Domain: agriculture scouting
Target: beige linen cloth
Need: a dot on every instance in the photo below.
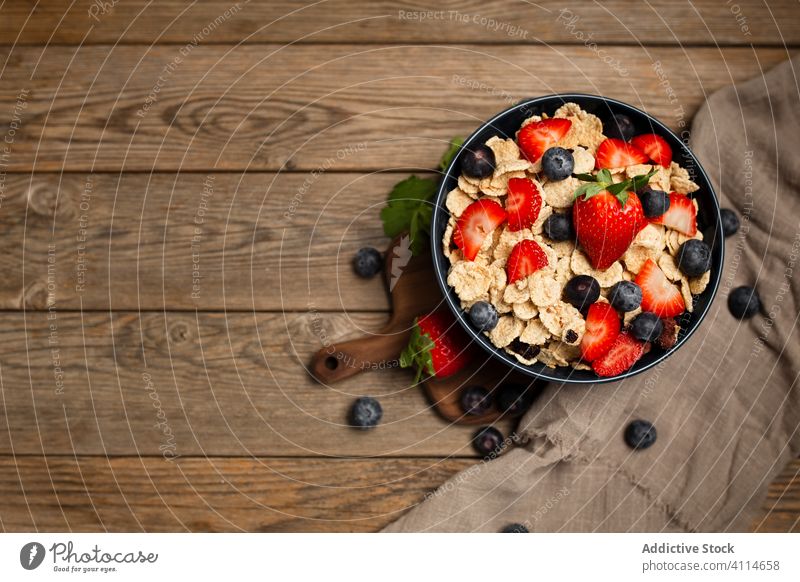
(726, 405)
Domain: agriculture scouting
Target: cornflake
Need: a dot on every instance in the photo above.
(506, 331)
(469, 279)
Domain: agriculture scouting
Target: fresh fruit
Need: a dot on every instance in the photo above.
(581, 291)
(527, 351)
(368, 262)
(625, 296)
(602, 329)
(477, 222)
(730, 222)
(605, 228)
(514, 399)
(523, 203)
(478, 162)
(438, 346)
(743, 302)
(669, 334)
(526, 258)
(615, 153)
(536, 137)
(475, 400)
(619, 126)
(694, 258)
(681, 216)
(654, 202)
(483, 315)
(488, 441)
(515, 528)
(646, 327)
(365, 413)
(558, 227)
(557, 163)
(623, 354)
(655, 146)
(640, 434)
(659, 295)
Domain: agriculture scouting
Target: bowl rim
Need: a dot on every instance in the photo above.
(439, 211)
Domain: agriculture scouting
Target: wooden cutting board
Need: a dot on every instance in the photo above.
(413, 291)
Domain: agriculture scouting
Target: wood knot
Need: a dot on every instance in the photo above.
(180, 332)
(34, 296)
(43, 199)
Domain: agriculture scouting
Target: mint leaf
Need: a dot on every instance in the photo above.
(452, 150)
(409, 210)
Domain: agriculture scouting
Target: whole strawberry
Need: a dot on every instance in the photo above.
(438, 346)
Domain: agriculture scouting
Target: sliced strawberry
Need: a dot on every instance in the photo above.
(655, 146)
(536, 137)
(526, 258)
(624, 353)
(681, 216)
(615, 153)
(477, 221)
(438, 346)
(602, 328)
(659, 295)
(523, 203)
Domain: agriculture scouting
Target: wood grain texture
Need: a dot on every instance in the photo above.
(782, 508)
(612, 21)
(213, 494)
(338, 107)
(201, 384)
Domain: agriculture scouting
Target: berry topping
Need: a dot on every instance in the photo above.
(694, 258)
(557, 164)
(659, 295)
(624, 353)
(365, 413)
(488, 441)
(744, 303)
(619, 126)
(730, 222)
(654, 202)
(515, 528)
(523, 203)
(581, 291)
(656, 148)
(526, 258)
(527, 351)
(475, 400)
(615, 153)
(477, 222)
(483, 315)
(669, 334)
(640, 434)
(625, 296)
(514, 399)
(558, 227)
(368, 262)
(478, 162)
(536, 137)
(602, 329)
(647, 327)
(681, 216)
(438, 346)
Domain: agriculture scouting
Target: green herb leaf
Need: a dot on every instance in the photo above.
(604, 176)
(586, 177)
(588, 190)
(418, 353)
(455, 145)
(639, 182)
(623, 197)
(618, 187)
(409, 210)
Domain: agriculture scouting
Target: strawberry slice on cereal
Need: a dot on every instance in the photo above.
(477, 222)
(537, 137)
(681, 216)
(615, 153)
(602, 329)
(655, 146)
(659, 295)
(523, 203)
(526, 258)
(624, 353)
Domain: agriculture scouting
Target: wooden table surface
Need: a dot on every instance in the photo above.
(183, 187)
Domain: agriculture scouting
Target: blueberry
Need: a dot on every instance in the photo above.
(527, 351)
(557, 164)
(478, 162)
(365, 413)
(640, 434)
(625, 296)
(619, 126)
(483, 315)
(744, 303)
(368, 262)
(730, 222)
(514, 528)
(654, 202)
(475, 400)
(581, 291)
(558, 227)
(694, 258)
(647, 327)
(488, 441)
(514, 399)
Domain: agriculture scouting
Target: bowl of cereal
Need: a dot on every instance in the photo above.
(577, 239)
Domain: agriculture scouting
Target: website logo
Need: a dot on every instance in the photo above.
(31, 555)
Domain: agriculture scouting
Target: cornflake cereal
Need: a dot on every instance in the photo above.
(532, 310)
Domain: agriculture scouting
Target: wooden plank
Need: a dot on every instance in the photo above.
(782, 508)
(200, 384)
(498, 21)
(213, 494)
(340, 107)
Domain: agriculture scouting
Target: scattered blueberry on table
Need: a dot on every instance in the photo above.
(478, 162)
(368, 262)
(619, 126)
(647, 327)
(581, 291)
(475, 400)
(640, 434)
(557, 163)
(488, 441)
(743, 302)
(483, 316)
(514, 399)
(514, 528)
(625, 296)
(694, 258)
(730, 222)
(365, 413)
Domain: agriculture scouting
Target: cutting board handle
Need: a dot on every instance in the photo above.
(345, 359)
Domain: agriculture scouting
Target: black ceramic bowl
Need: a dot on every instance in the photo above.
(506, 125)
